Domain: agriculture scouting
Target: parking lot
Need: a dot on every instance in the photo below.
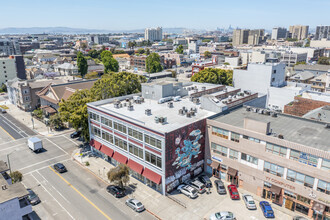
(206, 204)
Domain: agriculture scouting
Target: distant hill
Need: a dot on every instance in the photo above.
(68, 30)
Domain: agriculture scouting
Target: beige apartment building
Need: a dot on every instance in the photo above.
(299, 32)
(284, 159)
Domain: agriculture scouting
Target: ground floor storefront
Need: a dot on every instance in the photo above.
(137, 171)
(308, 206)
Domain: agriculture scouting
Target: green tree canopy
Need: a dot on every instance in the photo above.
(55, 121)
(92, 75)
(110, 63)
(207, 54)
(74, 109)
(148, 51)
(119, 175)
(82, 64)
(215, 76)
(179, 49)
(141, 51)
(153, 64)
(16, 176)
(324, 60)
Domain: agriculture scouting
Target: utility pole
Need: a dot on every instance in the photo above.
(9, 161)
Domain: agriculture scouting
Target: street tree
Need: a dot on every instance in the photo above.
(110, 63)
(16, 176)
(82, 64)
(207, 54)
(215, 76)
(55, 121)
(179, 49)
(119, 175)
(141, 51)
(153, 64)
(147, 51)
(324, 60)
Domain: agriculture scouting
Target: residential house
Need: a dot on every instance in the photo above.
(319, 83)
(302, 77)
(67, 69)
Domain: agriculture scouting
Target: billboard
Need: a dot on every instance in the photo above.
(185, 150)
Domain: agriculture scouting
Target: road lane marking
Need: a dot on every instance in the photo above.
(41, 162)
(56, 145)
(52, 196)
(71, 140)
(44, 167)
(13, 146)
(7, 133)
(16, 130)
(69, 184)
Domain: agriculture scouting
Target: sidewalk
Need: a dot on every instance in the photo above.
(25, 118)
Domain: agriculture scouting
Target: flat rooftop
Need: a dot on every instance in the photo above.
(16, 190)
(298, 130)
(138, 116)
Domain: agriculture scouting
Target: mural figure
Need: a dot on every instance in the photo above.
(189, 150)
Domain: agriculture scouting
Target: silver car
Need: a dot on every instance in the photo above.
(249, 202)
(196, 184)
(188, 191)
(221, 189)
(135, 204)
(222, 216)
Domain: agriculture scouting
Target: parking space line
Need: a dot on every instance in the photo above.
(97, 208)
(42, 162)
(52, 196)
(56, 145)
(7, 133)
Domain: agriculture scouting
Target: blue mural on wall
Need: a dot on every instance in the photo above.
(189, 150)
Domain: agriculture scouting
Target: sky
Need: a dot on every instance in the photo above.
(137, 14)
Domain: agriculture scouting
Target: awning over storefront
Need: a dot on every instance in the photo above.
(275, 189)
(106, 150)
(135, 166)
(215, 165)
(97, 145)
(120, 158)
(151, 175)
(232, 171)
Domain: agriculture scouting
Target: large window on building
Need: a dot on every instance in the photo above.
(300, 178)
(273, 169)
(276, 149)
(119, 127)
(323, 186)
(251, 139)
(96, 131)
(107, 136)
(135, 150)
(219, 149)
(153, 159)
(120, 143)
(152, 141)
(233, 154)
(304, 158)
(234, 137)
(94, 116)
(249, 158)
(106, 121)
(325, 164)
(136, 134)
(220, 132)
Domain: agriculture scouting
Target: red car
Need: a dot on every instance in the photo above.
(233, 192)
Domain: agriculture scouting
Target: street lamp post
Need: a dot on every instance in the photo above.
(9, 161)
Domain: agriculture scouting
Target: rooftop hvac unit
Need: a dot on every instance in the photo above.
(125, 104)
(327, 125)
(142, 99)
(156, 119)
(188, 114)
(170, 104)
(280, 136)
(147, 111)
(192, 113)
(203, 88)
(183, 108)
(274, 114)
(181, 112)
(261, 111)
(127, 99)
(196, 100)
(248, 109)
(130, 107)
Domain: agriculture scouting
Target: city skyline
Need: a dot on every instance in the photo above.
(98, 15)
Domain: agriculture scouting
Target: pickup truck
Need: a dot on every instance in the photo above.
(35, 144)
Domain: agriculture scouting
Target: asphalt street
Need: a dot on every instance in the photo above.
(9, 126)
(76, 194)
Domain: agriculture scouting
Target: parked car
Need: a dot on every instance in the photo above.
(249, 201)
(206, 180)
(60, 167)
(222, 216)
(116, 191)
(196, 184)
(266, 209)
(75, 134)
(33, 198)
(3, 110)
(299, 218)
(135, 204)
(220, 187)
(234, 195)
(188, 191)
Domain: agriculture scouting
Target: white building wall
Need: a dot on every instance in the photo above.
(7, 70)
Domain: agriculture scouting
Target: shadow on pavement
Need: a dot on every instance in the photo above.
(34, 216)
